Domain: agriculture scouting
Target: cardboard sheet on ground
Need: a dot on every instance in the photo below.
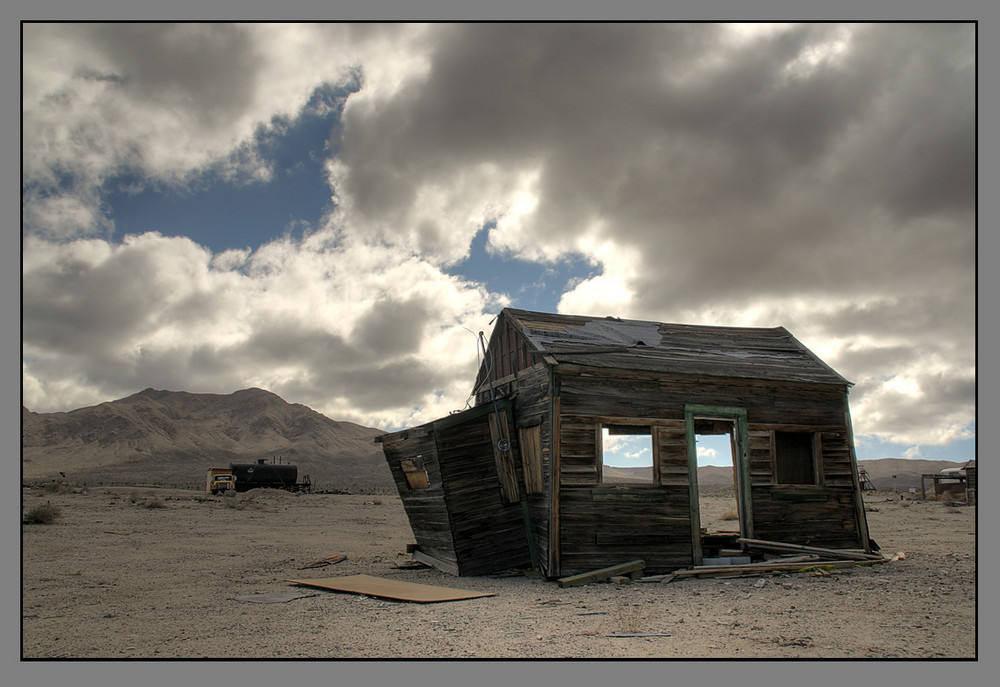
(391, 589)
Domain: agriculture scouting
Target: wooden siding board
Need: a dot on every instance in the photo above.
(695, 365)
(585, 401)
(807, 515)
(619, 394)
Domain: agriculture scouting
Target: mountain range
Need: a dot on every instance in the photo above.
(170, 438)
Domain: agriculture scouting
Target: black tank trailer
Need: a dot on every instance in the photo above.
(264, 475)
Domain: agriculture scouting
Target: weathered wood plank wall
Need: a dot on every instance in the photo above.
(461, 520)
(488, 533)
(425, 508)
(601, 524)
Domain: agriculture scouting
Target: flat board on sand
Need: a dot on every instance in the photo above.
(391, 589)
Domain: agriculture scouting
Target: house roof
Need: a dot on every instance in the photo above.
(610, 342)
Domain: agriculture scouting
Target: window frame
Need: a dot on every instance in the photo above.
(415, 473)
(622, 426)
(815, 457)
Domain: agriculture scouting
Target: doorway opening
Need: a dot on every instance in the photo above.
(721, 509)
(718, 483)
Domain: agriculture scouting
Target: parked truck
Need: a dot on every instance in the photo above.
(220, 480)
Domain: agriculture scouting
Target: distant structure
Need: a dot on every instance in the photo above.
(952, 483)
(519, 477)
(865, 480)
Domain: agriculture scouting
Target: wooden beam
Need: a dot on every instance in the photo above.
(835, 553)
(500, 433)
(861, 518)
(602, 574)
(763, 568)
(555, 482)
(694, 506)
(448, 567)
(530, 534)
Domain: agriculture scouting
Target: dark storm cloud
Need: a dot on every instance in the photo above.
(762, 163)
(816, 176)
(396, 384)
(392, 327)
(88, 299)
(207, 70)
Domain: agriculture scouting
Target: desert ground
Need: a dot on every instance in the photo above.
(148, 573)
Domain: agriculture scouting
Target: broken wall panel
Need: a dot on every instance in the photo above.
(463, 522)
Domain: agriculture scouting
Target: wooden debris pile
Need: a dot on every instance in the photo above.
(623, 569)
(786, 558)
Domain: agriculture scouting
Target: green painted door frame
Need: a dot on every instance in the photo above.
(742, 457)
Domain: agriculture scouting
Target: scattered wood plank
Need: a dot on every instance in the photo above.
(805, 558)
(829, 553)
(272, 597)
(764, 568)
(602, 574)
(323, 562)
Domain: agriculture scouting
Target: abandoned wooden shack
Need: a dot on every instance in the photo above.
(519, 478)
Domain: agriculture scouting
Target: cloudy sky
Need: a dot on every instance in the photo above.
(332, 212)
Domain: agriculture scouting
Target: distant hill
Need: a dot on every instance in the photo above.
(907, 471)
(170, 438)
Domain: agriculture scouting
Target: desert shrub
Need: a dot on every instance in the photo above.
(628, 617)
(154, 503)
(241, 503)
(42, 514)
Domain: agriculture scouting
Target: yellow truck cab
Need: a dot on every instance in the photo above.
(220, 480)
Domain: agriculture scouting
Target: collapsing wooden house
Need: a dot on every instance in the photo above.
(519, 479)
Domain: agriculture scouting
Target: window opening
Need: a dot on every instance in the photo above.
(794, 458)
(416, 476)
(627, 454)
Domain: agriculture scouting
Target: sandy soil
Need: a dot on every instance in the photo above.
(155, 573)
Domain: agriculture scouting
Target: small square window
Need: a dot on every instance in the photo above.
(794, 461)
(416, 477)
(627, 454)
